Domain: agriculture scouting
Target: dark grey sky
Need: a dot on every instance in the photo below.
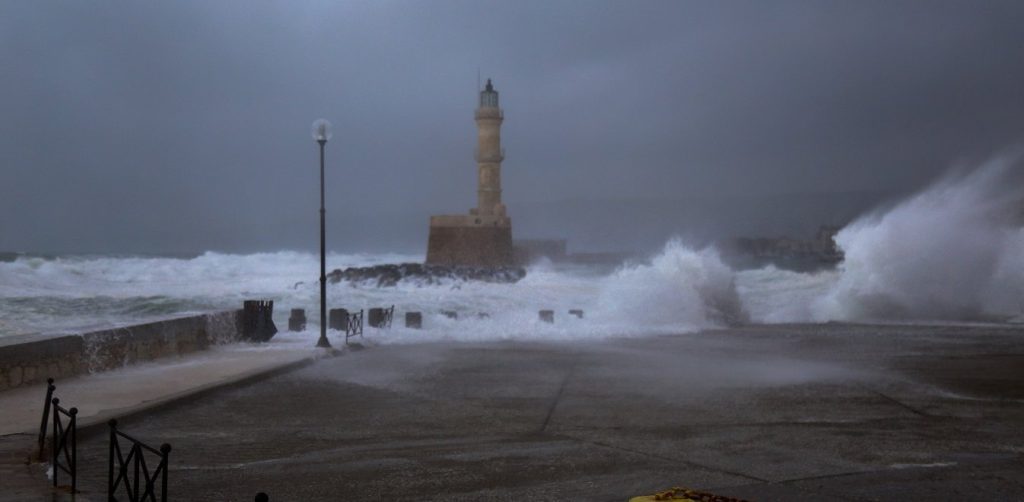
(184, 126)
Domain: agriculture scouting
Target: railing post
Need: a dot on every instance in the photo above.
(110, 464)
(74, 450)
(135, 454)
(46, 417)
(165, 449)
(53, 444)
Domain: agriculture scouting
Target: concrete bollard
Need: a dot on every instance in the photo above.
(576, 312)
(375, 317)
(338, 319)
(413, 320)
(451, 314)
(297, 322)
(547, 316)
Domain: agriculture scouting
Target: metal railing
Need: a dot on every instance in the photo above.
(355, 325)
(46, 418)
(142, 483)
(65, 444)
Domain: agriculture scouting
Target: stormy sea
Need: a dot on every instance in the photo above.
(953, 252)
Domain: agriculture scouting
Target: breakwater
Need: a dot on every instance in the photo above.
(33, 362)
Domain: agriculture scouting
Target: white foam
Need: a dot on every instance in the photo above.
(954, 251)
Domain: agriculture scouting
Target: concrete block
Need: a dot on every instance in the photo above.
(376, 317)
(297, 321)
(413, 320)
(576, 312)
(337, 319)
(547, 316)
(258, 320)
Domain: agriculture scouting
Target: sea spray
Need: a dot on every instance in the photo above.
(954, 251)
(681, 288)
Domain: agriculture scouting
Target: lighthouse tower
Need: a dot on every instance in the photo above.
(489, 154)
(482, 238)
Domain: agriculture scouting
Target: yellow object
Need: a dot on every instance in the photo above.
(679, 494)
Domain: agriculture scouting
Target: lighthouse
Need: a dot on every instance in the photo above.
(482, 238)
(489, 154)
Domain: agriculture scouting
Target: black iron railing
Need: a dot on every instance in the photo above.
(64, 451)
(133, 476)
(46, 418)
(355, 325)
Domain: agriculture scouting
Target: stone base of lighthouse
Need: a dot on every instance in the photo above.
(471, 240)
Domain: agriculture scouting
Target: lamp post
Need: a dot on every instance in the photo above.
(322, 133)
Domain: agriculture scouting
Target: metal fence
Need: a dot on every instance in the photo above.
(355, 325)
(64, 452)
(133, 476)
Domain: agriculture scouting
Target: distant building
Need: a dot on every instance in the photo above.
(482, 238)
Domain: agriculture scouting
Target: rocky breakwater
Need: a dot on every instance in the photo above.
(420, 274)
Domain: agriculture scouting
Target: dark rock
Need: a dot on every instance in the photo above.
(425, 275)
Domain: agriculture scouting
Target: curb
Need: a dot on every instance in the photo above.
(98, 423)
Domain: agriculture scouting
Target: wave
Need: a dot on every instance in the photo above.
(954, 251)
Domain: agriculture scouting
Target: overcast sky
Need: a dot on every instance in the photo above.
(184, 126)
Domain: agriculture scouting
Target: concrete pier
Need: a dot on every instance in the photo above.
(816, 412)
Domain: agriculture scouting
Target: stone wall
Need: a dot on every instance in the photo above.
(470, 246)
(65, 356)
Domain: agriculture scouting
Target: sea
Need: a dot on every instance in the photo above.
(953, 253)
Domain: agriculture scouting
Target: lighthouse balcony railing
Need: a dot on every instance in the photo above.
(490, 156)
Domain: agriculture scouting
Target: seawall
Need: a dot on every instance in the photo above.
(64, 356)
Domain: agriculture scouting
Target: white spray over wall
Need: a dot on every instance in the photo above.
(954, 251)
(680, 288)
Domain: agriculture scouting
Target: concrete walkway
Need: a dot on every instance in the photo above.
(816, 412)
(123, 393)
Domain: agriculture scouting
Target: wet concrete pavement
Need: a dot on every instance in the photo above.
(813, 412)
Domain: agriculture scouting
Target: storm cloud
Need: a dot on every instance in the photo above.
(184, 126)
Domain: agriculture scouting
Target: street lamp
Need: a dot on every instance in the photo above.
(322, 133)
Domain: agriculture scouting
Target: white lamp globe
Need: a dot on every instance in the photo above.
(321, 130)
